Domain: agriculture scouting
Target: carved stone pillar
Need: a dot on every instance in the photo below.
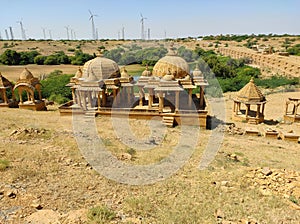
(161, 101)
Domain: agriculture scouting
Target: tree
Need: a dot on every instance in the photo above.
(127, 59)
(80, 58)
(62, 58)
(114, 54)
(54, 87)
(28, 57)
(40, 59)
(10, 57)
(51, 60)
(185, 53)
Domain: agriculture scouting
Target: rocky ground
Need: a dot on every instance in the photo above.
(45, 179)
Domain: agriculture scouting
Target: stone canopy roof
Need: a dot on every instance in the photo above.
(26, 75)
(250, 93)
(25, 78)
(4, 83)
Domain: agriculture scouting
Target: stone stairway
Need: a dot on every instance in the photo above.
(252, 121)
(168, 121)
(90, 113)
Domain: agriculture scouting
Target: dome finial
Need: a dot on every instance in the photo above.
(78, 73)
(100, 53)
(124, 73)
(147, 72)
(197, 72)
(172, 49)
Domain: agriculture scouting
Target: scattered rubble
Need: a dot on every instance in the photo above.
(43, 217)
(22, 133)
(125, 156)
(36, 204)
(230, 129)
(285, 183)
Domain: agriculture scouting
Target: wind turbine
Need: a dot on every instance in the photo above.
(72, 34)
(11, 33)
(93, 24)
(6, 33)
(123, 33)
(142, 31)
(67, 28)
(148, 33)
(50, 34)
(22, 30)
(44, 32)
(96, 34)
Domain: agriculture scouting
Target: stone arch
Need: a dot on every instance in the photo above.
(29, 89)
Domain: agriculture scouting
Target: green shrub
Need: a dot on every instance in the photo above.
(294, 50)
(51, 60)
(10, 57)
(40, 59)
(5, 45)
(27, 57)
(100, 215)
(131, 151)
(58, 98)
(4, 164)
(80, 58)
(276, 81)
(54, 87)
(293, 199)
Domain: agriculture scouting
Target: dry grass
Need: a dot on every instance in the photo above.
(52, 169)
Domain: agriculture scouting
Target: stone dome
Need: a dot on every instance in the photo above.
(100, 68)
(26, 74)
(173, 63)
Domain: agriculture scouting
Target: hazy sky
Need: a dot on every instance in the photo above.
(178, 18)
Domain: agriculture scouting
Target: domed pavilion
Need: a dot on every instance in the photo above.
(29, 85)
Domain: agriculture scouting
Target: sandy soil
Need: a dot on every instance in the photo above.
(48, 173)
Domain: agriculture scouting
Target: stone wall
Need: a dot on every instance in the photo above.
(278, 64)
